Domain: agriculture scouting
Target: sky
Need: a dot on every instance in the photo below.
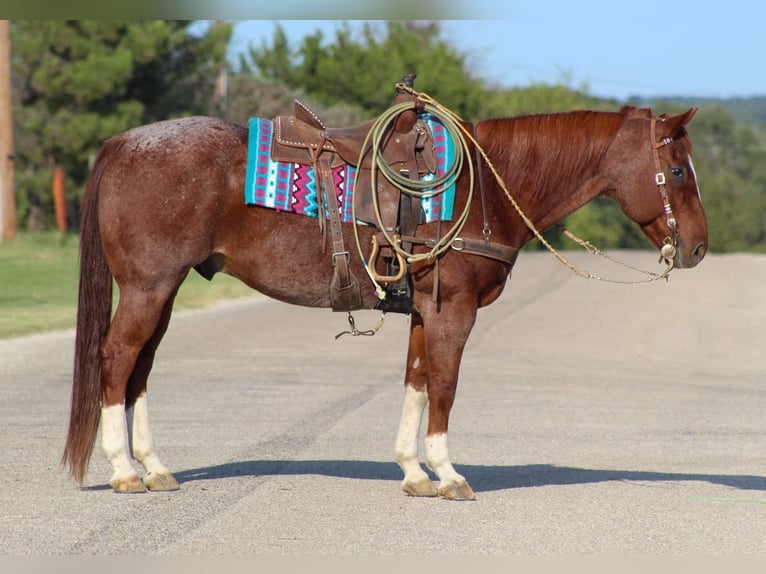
(611, 49)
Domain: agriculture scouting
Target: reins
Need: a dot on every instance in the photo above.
(453, 123)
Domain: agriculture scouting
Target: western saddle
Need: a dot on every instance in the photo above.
(407, 148)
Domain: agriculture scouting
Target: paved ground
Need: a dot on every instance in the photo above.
(590, 419)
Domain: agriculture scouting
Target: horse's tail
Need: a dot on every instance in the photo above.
(94, 310)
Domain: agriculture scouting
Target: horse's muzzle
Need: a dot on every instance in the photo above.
(687, 259)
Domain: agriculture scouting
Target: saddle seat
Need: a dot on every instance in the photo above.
(295, 135)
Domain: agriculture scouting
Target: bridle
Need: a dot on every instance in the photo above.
(668, 250)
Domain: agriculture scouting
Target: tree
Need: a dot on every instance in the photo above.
(541, 99)
(79, 82)
(730, 162)
(363, 70)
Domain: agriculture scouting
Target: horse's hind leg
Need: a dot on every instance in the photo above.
(135, 322)
(157, 477)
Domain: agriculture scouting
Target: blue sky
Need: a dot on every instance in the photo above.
(615, 49)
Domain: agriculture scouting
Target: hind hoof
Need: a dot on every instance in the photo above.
(422, 487)
(128, 485)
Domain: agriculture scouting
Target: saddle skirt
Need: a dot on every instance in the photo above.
(281, 176)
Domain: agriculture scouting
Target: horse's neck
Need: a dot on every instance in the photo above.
(547, 175)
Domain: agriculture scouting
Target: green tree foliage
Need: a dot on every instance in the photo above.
(79, 82)
(540, 99)
(251, 97)
(363, 70)
(730, 160)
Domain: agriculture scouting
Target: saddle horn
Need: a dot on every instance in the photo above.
(407, 118)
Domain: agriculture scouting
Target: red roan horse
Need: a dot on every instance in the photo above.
(165, 198)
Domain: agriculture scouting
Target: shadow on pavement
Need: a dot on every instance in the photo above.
(482, 478)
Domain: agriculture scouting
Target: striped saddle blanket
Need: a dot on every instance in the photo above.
(292, 187)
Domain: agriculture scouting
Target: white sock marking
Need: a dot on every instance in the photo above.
(407, 438)
(437, 459)
(113, 440)
(141, 441)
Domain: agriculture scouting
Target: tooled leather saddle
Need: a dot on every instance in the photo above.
(407, 148)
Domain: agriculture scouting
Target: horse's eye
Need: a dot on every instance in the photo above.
(676, 171)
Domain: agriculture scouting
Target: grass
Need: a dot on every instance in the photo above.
(39, 276)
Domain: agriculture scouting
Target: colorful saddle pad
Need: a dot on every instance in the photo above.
(292, 187)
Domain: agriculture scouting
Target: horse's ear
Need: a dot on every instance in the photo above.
(687, 116)
(671, 125)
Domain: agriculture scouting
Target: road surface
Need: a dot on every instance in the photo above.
(591, 419)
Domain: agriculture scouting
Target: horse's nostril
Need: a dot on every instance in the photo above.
(699, 253)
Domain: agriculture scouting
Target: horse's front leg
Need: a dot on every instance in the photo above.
(446, 334)
(436, 348)
(416, 482)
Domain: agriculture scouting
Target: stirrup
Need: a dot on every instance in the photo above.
(373, 258)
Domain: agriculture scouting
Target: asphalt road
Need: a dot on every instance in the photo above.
(591, 419)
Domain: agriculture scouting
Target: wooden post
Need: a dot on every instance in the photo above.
(221, 96)
(7, 188)
(59, 198)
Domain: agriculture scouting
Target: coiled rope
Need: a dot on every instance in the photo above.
(415, 188)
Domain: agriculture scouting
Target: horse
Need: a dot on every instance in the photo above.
(164, 199)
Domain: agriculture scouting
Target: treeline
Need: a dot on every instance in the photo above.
(77, 83)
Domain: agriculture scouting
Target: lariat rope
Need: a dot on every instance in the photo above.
(416, 188)
(454, 125)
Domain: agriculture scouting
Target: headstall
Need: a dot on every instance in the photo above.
(668, 250)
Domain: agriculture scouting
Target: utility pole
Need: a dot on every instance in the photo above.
(221, 84)
(7, 188)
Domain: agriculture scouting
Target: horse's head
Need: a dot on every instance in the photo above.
(658, 186)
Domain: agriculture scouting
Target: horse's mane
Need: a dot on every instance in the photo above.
(550, 145)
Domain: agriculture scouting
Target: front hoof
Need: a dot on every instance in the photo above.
(128, 485)
(161, 482)
(454, 491)
(423, 487)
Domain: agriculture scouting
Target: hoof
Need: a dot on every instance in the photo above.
(128, 485)
(460, 491)
(422, 487)
(161, 482)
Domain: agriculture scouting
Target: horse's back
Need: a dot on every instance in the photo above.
(174, 134)
(173, 158)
